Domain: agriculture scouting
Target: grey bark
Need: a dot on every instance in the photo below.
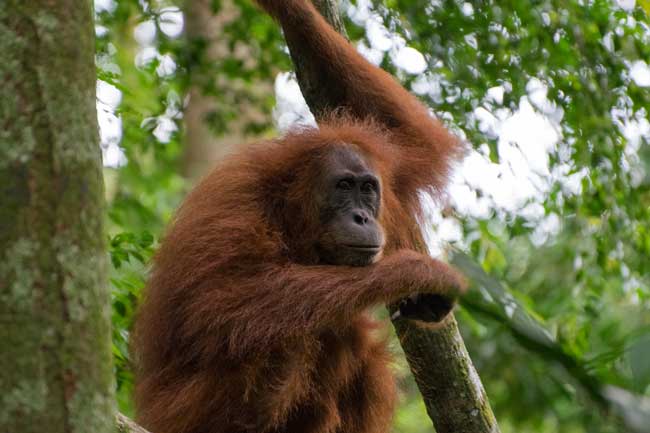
(55, 367)
(452, 390)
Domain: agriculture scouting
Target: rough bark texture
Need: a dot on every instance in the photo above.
(55, 367)
(451, 388)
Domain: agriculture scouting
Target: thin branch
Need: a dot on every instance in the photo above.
(126, 425)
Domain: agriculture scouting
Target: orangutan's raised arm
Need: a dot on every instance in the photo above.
(347, 80)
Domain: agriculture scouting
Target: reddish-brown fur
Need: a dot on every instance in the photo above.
(242, 328)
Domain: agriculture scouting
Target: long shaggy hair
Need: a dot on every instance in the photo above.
(242, 328)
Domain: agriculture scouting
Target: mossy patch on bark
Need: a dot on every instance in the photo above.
(54, 310)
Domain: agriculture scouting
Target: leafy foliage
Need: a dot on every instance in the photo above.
(249, 55)
(589, 281)
(129, 253)
(142, 193)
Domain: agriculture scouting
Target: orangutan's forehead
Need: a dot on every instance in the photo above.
(348, 156)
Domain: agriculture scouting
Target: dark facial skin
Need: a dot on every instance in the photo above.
(350, 200)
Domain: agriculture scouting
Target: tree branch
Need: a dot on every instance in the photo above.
(452, 390)
(126, 425)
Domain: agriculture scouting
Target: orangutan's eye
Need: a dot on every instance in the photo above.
(368, 187)
(345, 185)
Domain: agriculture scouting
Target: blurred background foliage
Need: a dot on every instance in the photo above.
(561, 301)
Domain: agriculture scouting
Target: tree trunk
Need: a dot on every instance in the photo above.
(55, 371)
(451, 388)
(203, 146)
